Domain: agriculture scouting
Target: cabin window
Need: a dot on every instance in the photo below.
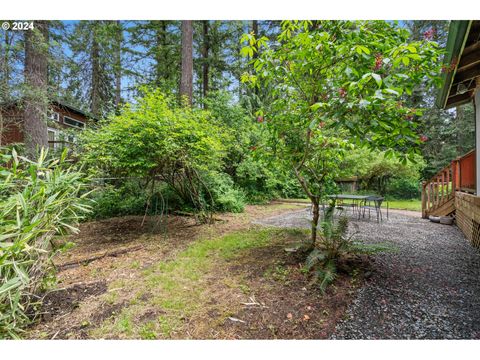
(72, 122)
(52, 138)
(55, 116)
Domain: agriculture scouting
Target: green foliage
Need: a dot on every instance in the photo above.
(255, 171)
(449, 134)
(338, 80)
(350, 75)
(38, 201)
(153, 137)
(224, 195)
(404, 188)
(377, 170)
(155, 140)
(263, 179)
(127, 199)
(95, 47)
(334, 245)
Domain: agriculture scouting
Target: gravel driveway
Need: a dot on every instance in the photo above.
(428, 289)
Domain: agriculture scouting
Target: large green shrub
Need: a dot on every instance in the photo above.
(253, 170)
(222, 194)
(404, 188)
(39, 201)
(125, 199)
(158, 141)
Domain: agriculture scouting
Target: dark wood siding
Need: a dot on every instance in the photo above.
(12, 119)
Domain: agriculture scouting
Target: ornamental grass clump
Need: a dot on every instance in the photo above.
(39, 202)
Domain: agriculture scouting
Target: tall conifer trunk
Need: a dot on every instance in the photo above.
(205, 51)
(186, 81)
(36, 80)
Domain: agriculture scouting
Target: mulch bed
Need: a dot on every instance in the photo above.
(289, 307)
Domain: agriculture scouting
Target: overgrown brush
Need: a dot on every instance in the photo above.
(39, 201)
(333, 245)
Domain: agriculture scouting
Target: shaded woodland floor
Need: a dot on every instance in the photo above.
(173, 279)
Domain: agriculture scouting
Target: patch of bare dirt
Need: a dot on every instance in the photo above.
(63, 301)
(283, 304)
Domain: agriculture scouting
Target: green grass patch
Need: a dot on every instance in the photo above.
(181, 287)
(413, 205)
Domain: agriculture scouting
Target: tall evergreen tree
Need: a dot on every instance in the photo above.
(36, 81)
(118, 64)
(186, 81)
(93, 65)
(154, 49)
(205, 58)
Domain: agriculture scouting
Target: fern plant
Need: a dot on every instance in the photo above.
(333, 245)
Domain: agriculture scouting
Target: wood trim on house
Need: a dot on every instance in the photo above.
(12, 121)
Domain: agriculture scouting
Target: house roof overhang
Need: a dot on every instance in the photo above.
(74, 109)
(57, 102)
(462, 64)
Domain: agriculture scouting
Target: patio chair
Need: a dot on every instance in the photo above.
(377, 201)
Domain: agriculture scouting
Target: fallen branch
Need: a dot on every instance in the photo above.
(189, 214)
(254, 302)
(87, 261)
(236, 320)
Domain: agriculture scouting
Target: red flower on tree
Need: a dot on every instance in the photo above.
(260, 119)
(378, 62)
(342, 92)
(423, 138)
(429, 34)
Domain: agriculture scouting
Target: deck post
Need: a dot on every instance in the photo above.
(476, 104)
(424, 200)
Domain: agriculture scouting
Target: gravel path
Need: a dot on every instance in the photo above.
(428, 289)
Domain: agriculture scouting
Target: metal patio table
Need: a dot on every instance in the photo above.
(359, 204)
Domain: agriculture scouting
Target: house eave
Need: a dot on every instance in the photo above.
(458, 34)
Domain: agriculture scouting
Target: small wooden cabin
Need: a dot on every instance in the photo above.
(61, 118)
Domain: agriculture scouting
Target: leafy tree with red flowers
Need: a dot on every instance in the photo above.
(337, 84)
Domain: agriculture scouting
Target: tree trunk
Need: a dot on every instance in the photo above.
(36, 79)
(315, 199)
(95, 80)
(316, 216)
(186, 81)
(255, 27)
(5, 68)
(255, 56)
(118, 65)
(160, 52)
(205, 58)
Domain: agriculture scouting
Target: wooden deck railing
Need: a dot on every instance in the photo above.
(466, 172)
(439, 191)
